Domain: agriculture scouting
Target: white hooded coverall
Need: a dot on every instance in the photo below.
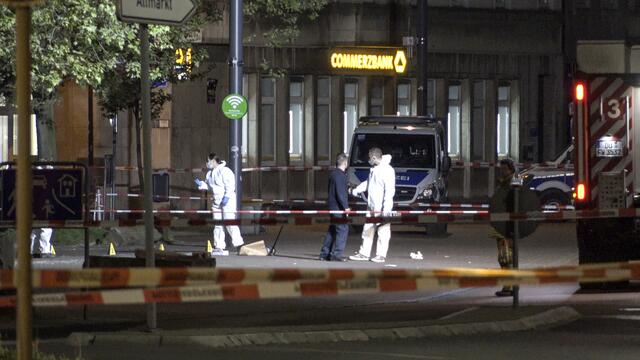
(41, 241)
(381, 187)
(221, 182)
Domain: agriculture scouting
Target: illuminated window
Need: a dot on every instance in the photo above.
(296, 118)
(478, 120)
(502, 123)
(34, 135)
(453, 119)
(268, 119)
(403, 98)
(4, 138)
(350, 113)
(323, 120)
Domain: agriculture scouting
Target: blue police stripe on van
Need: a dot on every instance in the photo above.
(567, 179)
(409, 177)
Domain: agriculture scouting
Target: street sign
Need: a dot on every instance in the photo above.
(57, 194)
(503, 201)
(165, 12)
(234, 106)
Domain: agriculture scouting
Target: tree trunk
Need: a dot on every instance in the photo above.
(46, 132)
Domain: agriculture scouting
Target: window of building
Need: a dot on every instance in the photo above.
(245, 123)
(403, 98)
(478, 120)
(431, 97)
(296, 118)
(503, 120)
(34, 135)
(4, 138)
(323, 120)
(268, 119)
(376, 97)
(544, 4)
(350, 113)
(453, 119)
(583, 4)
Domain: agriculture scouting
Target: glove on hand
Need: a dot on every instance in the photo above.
(224, 201)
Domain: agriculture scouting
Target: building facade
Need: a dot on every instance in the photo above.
(499, 74)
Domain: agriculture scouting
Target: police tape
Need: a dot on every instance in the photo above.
(319, 217)
(165, 277)
(283, 202)
(333, 287)
(286, 212)
(455, 165)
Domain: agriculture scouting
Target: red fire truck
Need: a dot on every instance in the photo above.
(606, 127)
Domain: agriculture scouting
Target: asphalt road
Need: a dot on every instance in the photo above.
(553, 244)
(608, 327)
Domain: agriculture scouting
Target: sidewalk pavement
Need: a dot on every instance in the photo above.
(466, 322)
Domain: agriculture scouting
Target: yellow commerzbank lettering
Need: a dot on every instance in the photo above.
(395, 62)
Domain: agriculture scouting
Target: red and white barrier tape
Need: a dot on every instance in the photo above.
(302, 201)
(312, 288)
(455, 165)
(161, 277)
(402, 218)
(289, 212)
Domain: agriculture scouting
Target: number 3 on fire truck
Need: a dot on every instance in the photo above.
(613, 109)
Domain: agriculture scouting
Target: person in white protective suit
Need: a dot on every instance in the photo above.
(380, 188)
(220, 180)
(41, 243)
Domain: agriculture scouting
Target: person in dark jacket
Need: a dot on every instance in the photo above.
(336, 238)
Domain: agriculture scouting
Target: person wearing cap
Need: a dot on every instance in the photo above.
(505, 245)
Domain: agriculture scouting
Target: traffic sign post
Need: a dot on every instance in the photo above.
(234, 106)
(162, 13)
(235, 88)
(156, 12)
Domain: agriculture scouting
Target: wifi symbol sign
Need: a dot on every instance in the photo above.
(234, 106)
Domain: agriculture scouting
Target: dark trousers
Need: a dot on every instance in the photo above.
(334, 241)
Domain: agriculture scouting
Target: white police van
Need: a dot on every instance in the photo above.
(418, 150)
(554, 182)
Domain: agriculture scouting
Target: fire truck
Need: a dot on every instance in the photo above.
(606, 128)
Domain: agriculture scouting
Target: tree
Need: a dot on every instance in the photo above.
(83, 41)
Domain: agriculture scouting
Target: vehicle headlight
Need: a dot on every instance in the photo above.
(428, 193)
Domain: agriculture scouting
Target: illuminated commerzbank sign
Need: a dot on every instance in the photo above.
(369, 60)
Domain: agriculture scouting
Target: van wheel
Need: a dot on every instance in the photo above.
(553, 197)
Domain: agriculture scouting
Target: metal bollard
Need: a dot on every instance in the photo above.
(517, 184)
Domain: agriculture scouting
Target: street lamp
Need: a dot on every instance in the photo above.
(113, 121)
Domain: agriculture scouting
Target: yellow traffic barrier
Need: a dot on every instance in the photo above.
(209, 247)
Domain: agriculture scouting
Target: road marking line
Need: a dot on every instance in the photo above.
(454, 314)
(326, 351)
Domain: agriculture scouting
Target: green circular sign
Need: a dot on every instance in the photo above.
(234, 106)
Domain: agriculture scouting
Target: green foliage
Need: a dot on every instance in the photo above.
(280, 18)
(83, 40)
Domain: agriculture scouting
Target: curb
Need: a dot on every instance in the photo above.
(546, 319)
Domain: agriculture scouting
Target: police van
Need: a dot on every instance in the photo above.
(553, 181)
(418, 150)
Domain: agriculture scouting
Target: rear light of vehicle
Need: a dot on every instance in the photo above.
(581, 192)
(579, 92)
